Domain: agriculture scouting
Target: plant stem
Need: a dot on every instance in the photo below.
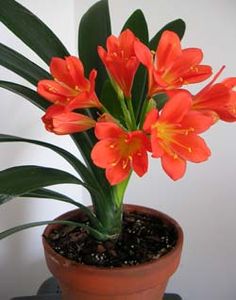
(131, 110)
(126, 113)
(143, 113)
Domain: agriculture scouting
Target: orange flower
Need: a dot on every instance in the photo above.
(174, 134)
(119, 151)
(120, 60)
(217, 100)
(69, 87)
(171, 67)
(61, 121)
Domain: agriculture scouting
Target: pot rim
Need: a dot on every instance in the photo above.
(162, 260)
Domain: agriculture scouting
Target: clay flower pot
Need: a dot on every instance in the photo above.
(142, 282)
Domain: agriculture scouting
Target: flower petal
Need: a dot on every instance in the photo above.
(54, 92)
(140, 162)
(76, 70)
(60, 71)
(143, 54)
(150, 120)
(176, 107)
(104, 130)
(157, 149)
(104, 155)
(175, 167)
(169, 49)
(191, 147)
(196, 122)
(118, 173)
(60, 121)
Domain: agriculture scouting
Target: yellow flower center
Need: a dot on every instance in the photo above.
(167, 133)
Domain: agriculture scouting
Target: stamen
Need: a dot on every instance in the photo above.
(195, 69)
(52, 89)
(124, 164)
(191, 129)
(175, 156)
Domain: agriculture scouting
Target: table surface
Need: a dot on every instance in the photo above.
(49, 290)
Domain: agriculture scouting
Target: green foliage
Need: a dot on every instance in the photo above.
(22, 66)
(70, 158)
(31, 30)
(94, 29)
(26, 93)
(178, 26)
(160, 100)
(19, 180)
(108, 98)
(93, 232)
(138, 25)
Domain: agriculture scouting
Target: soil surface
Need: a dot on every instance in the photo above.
(144, 238)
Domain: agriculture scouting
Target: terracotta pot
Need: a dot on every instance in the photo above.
(142, 282)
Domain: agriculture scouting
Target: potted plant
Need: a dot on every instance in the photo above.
(122, 99)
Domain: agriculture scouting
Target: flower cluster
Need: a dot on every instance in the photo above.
(170, 131)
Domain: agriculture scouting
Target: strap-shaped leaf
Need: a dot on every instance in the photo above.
(27, 93)
(22, 66)
(83, 140)
(20, 180)
(73, 160)
(94, 29)
(49, 194)
(160, 100)
(31, 30)
(93, 232)
(110, 100)
(138, 25)
(178, 26)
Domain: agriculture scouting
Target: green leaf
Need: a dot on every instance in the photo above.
(110, 100)
(178, 26)
(19, 64)
(20, 180)
(139, 91)
(27, 93)
(95, 233)
(31, 30)
(138, 25)
(83, 140)
(94, 29)
(49, 194)
(160, 100)
(70, 158)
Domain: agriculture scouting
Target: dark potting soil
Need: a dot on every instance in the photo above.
(144, 238)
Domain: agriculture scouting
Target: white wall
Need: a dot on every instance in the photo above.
(203, 202)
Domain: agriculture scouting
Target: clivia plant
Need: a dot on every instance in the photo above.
(123, 100)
